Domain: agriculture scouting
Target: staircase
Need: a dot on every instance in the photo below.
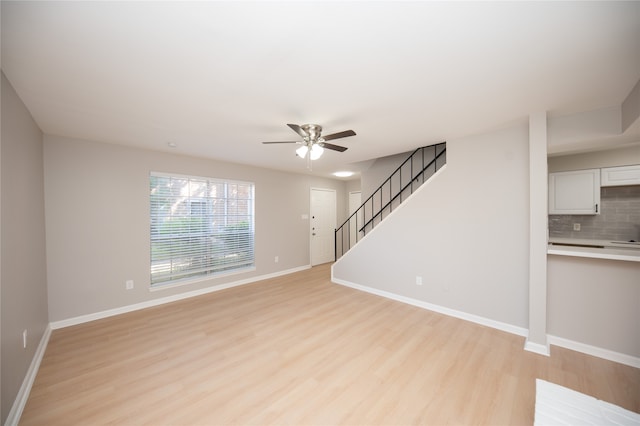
(414, 171)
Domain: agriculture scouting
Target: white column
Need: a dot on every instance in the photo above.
(538, 233)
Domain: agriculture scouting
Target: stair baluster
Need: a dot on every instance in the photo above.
(343, 242)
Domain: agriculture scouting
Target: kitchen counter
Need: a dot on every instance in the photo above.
(596, 249)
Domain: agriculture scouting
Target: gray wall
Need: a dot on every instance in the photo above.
(465, 232)
(595, 302)
(353, 185)
(97, 204)
(24, 284)
(379, 171)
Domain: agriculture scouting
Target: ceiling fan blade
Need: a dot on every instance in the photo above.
(283, 142)
(333, 147)
(339, 135)
(298, 130)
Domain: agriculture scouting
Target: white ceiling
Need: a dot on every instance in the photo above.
(217, 78)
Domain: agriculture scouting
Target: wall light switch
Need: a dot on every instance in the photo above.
(418, 280)
(129, 284)
(276, 259)
(576, 226)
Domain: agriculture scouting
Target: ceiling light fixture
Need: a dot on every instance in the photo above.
(314, 153)
(302, 151)
(343, 174)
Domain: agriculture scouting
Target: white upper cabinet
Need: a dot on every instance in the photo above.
(575, 192)
(619, 176)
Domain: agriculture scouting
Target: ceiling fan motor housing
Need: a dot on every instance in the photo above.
(313, 130)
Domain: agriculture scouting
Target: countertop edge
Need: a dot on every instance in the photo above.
(593, 253)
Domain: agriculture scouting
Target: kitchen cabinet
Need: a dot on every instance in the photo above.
(575, 192)
(620, 176)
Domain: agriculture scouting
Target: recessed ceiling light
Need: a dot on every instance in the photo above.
(172, 144)
(343, 174)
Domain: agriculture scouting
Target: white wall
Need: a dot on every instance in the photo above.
(465, 232)
(97, 218)
(576, 129)
(630, 109)
(537, 336)
(593, 160)
(595, 129)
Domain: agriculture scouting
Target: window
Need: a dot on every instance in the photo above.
(199, 227)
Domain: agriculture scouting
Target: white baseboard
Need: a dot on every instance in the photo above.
(23, 394)
(537, 348)
(629, 360)
(161, 301)
(520, 331)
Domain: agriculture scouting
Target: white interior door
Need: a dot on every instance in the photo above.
(323, 225)
(355, 200)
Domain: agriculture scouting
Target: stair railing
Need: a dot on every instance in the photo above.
(409, 176)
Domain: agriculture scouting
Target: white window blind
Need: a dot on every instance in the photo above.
(199, 226)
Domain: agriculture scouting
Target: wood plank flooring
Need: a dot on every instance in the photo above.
(301, 350)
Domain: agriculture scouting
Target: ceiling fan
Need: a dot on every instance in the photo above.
(313, 143)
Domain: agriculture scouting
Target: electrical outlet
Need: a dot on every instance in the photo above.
(276, 259)
(418, 280)
(576, 226)
(128, 284)
(24, 339)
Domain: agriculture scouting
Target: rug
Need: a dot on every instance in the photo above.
(557, 405)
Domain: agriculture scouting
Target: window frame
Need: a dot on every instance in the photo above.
(173, 246)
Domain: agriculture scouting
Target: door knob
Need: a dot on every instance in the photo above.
(313, 233)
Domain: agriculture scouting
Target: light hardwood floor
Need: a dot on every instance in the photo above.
(301, 350)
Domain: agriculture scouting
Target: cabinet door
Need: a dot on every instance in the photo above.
(623, 175)
(576, 192)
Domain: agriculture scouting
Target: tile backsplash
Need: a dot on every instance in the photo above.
(619, 218)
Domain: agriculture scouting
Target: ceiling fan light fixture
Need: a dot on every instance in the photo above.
(302, 151)
(316, 151)
(313, 143)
